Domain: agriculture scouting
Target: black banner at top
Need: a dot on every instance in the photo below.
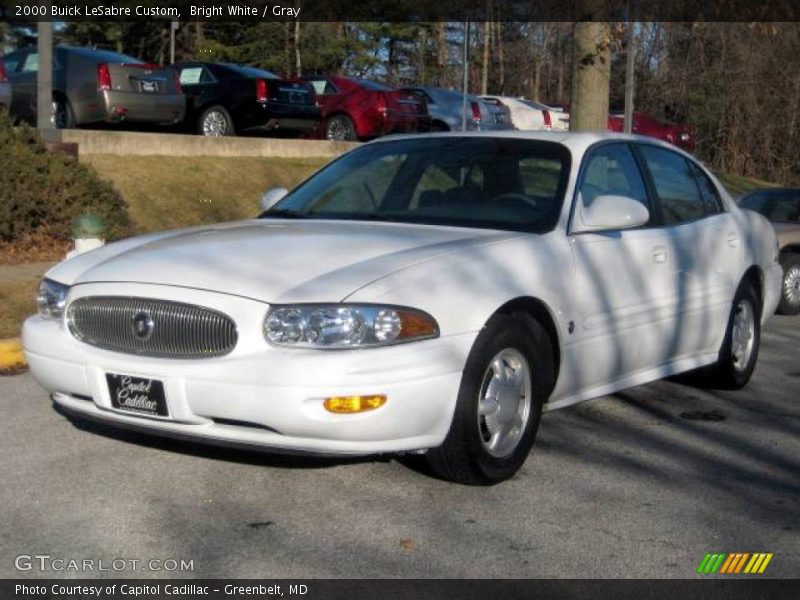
(400, 10)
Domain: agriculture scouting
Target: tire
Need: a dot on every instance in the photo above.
(340, 128)
(215, 121)
(61, 115)
(739, 352)
(479, 448)
(438, 126)
(790, 292)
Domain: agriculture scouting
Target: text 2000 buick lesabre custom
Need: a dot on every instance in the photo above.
(424, 294)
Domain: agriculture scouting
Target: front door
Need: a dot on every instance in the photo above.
(624, 305)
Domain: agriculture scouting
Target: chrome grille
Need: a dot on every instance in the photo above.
(149, 327)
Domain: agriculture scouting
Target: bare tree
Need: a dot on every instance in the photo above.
(591, 70)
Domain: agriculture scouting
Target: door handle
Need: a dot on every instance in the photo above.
(659, 254)
(733, 239)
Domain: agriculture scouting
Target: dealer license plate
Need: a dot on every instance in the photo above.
(137, 395)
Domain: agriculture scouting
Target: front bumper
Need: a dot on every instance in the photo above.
(260, 395)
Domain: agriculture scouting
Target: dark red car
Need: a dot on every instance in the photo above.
(674, 133)
(357, 109)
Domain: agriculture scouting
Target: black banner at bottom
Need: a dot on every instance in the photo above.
(396, 589)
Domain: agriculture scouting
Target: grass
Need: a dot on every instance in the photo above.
(166, 192)
(738, 185)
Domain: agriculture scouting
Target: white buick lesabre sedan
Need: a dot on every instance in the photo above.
(427, 293)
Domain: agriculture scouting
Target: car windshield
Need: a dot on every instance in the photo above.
(483, 182)
(781, 206)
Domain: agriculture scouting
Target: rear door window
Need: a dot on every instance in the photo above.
(678, 192)
(322, 87)
(31, 63)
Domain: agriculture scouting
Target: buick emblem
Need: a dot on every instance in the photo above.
(142, 325)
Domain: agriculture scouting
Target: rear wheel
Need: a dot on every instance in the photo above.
(790, 292)
(61, 116)
(340, 128)
(506, 381)
(215, 121)
(739, 352)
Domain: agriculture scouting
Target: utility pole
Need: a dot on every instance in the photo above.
(630, 58)
(173, 27)
(44, 76)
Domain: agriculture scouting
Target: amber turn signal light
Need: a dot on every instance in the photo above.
(353, 404)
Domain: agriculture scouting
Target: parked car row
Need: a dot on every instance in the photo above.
(98, 86)
(214, 99)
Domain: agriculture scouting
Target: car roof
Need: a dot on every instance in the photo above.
(577, 141)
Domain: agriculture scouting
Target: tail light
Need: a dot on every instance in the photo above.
(261, 90)
(476, 112)
(383, 104)
(103, 77)
(548, 121)
(3, 75)
(178, 86)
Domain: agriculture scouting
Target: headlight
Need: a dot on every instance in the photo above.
(51, 299)
(346, 325)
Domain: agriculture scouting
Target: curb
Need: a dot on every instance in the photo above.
(11, 356)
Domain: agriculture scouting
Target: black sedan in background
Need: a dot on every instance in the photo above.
(223, 99)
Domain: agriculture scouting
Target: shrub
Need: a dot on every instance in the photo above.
(48, 192)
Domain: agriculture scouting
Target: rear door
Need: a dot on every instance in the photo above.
(624, 305)
(704, 241)
(326, 93)
(198, 85)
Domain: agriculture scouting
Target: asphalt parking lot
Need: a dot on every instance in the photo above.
(639, 484)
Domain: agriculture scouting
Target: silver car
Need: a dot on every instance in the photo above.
(446, 109)
(91, 86)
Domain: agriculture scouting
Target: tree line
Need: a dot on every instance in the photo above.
(736, 83)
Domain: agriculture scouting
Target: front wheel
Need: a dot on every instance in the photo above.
(790, 292)
(507, 379)
(739, 352)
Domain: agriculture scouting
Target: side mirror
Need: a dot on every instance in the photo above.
(271, 197)
(609, 212)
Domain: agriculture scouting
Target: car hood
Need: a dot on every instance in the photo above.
(273, 260)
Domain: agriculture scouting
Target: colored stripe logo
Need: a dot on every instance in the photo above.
(748, 563)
